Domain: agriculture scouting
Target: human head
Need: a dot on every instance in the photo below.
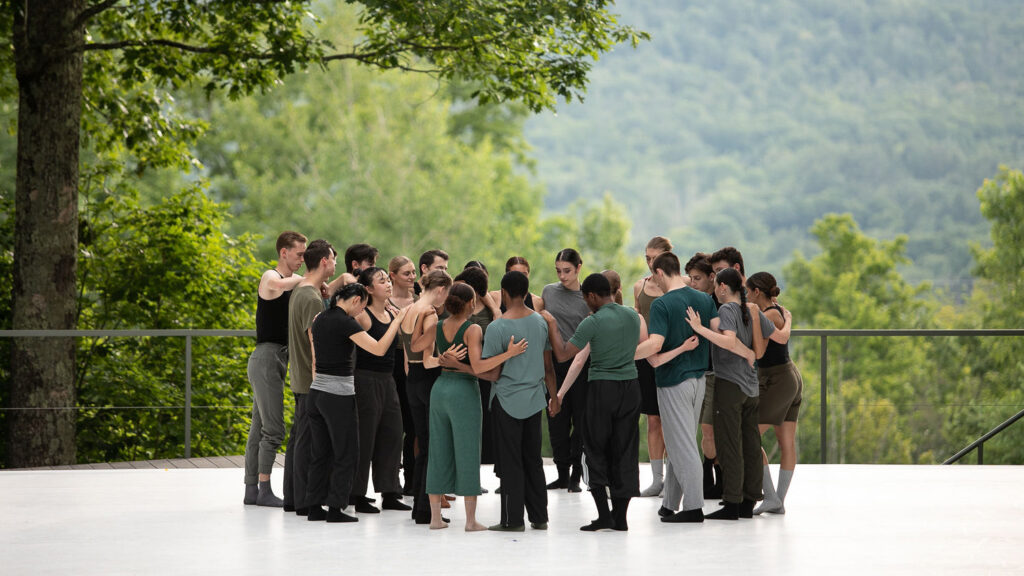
(377, 282)
(476, 278)
(320, 257)
(475, 264)
(655, 246)
(762, 288)
(616, 283)
(351, 297)
(402, 272)
(291, 246)
(597, 291)
(515, 285)
(433, 260)
(728, 282)
(459, 297)
(567, 266)
(360, 256)
(727, 257)
(519, 264)
(436, 284)
(702, 276)
(663, 269)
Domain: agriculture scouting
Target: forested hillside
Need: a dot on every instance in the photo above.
(742, 122)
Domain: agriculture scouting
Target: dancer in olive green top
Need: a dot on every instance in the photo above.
(455, 412)
(612, 411)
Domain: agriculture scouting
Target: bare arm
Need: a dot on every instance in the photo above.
(783, 325)
(561, 351)
(483, 366)
(379, 347)
(649, 347)
(554, 402)
(661, 358)
(424, 340)
(272, 285)
(574, 371)
(726, 340)
(759, 341)
(538, 303)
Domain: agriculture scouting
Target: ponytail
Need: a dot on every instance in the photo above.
(743, 307)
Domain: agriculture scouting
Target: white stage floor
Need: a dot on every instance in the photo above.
(841, 520)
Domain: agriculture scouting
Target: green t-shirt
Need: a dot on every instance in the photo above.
(303, 307)
(668, 319)
(520, 388)
(613, 333)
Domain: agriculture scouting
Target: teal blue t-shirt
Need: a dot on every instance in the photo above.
(613, 333)
(668, 319)
(520, 388)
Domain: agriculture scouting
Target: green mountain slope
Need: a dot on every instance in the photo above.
(741, 122)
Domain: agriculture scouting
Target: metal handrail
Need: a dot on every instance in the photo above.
(822, 334)
(980, 442)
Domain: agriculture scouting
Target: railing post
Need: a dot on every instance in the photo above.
(824, 398)
(188, 396)
(981, 453)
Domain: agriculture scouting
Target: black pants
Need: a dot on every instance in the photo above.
(380, 432)
(565, 429)
(409, 436)
(738, 442)
(611, 436)
(418, 388)
(296, 456)
(517, 451)
(486, 426)
(333, 429)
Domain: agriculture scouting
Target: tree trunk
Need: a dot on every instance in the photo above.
(42, 428)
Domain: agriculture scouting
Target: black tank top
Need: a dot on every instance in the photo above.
(367, 361)
(775, 354)
(272, 318)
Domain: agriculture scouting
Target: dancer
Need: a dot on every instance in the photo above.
(736, 393)
(402, 271)
(645, 293)
(780, 387)
(336, 336)
(485, 311)
(358, 257)
(564, 301)
(516, 402)
(612, 410)
(380, 415)
(454, 464)
(680, 385)
(520, 264)
(702, 278)
(267, 369)
(303, 306)
(417, 338)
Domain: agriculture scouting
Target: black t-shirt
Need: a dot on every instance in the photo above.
(332, 343)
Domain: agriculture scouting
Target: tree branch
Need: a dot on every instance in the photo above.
(91, 12)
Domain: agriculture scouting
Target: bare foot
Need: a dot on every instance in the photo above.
(439, 526)
(475, 527)
(445, 504)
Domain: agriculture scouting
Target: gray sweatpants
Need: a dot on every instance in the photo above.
(266, 370)
(680, 412)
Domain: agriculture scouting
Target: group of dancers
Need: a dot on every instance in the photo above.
(436, 375)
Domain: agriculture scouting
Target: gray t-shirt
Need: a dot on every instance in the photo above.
(728, 365)
(520, 389)
(339, 385)
(567, 306)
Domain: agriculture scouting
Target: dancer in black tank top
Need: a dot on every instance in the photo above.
(267, 369)
(781, 389)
